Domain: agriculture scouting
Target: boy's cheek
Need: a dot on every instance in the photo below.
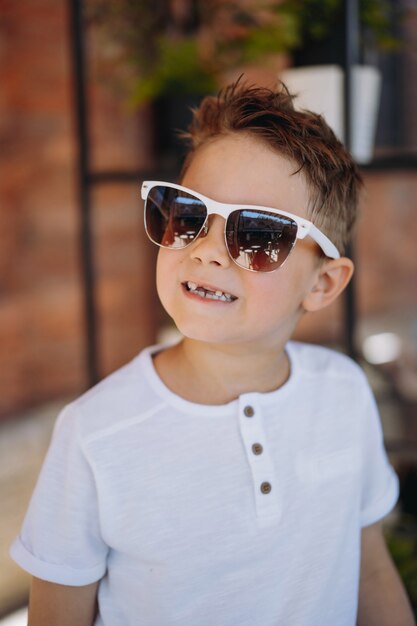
(167, 277)
(165, 262)
(162, 283)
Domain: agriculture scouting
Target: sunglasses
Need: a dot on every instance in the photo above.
(257, 238)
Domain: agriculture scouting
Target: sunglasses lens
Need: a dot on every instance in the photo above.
(173, 218)
(258, 240)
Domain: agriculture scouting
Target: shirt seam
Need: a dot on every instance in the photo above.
(124, 424)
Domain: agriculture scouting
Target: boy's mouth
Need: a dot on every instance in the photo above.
(203, 292)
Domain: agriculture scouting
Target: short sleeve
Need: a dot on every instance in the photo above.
(60, 538)
(380, 483)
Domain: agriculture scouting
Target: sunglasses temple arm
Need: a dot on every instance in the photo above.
(144, 190)
(324, 242)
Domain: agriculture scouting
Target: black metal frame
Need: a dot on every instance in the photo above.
(87, 178)
(351, 58)
(84, 187)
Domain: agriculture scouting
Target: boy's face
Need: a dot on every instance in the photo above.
(267, 305)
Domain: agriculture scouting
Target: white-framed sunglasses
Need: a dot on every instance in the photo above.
(257, 238)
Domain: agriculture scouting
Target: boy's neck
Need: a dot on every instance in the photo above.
(216, 374)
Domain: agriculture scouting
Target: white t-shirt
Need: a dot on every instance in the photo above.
(243, 514)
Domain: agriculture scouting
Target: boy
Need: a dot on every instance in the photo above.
(236, 478)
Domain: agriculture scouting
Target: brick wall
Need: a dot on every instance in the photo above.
(41, 302)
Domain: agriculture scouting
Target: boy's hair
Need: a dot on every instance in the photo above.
(302, 136)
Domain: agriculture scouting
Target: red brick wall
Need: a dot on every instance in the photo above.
(42, 351)
(41, 305)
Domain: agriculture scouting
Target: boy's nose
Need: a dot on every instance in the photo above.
(210, 246)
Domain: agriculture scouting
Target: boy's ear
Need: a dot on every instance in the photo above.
(331, 280)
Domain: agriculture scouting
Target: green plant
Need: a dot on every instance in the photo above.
(317, 17)
(186, 46)
(402, 544)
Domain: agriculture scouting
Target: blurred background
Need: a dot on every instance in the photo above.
(91, 95)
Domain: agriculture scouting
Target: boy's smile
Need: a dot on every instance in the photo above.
(209, 297)
(208, 292)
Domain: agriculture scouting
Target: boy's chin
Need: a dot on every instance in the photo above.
(205, 333)
(204, 336)
(210, 335)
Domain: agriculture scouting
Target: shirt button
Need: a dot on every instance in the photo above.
(266, 487)
(249, 411)
(257, 448)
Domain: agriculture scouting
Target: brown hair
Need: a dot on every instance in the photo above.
(302, 136)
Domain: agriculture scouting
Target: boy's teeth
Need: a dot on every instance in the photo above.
(211, 295)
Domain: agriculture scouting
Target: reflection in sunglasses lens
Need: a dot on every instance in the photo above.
(173, 218)
(259, 240)
(256, 240)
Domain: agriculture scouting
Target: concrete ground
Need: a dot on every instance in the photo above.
(18, 618)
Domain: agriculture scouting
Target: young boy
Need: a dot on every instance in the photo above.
(236, 478)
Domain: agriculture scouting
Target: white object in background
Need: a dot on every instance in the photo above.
(382, 348)
(320, 89)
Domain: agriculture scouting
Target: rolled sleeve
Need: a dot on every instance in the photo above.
(380, 482)
(60, 540)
